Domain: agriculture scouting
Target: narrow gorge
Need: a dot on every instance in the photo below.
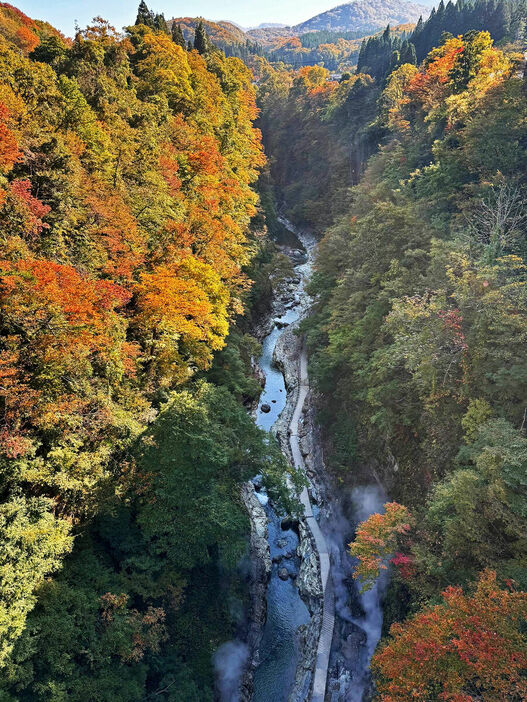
(310, 646)
(263, 381)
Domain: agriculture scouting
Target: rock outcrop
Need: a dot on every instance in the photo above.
(260, 571)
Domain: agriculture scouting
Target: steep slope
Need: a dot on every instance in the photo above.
(219, 32)
(126, 166)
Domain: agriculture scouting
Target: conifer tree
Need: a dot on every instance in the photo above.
(160, 23)
(144, 16)
(408, 54)
(201, 40)
(362, 55)
(177, 35)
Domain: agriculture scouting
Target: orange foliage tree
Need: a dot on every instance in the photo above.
(470, 65)
(376, 541)
(468, 648)
(18, 28)
(125, 229)
(57, 326)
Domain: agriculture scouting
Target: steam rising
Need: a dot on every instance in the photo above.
(353, 667)
(229, 663)
(372, 500)
(338, 533)
(232, 657)
(366, 501)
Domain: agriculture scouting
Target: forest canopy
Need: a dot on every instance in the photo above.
(128, 164)
(131, 226)
(414, 170)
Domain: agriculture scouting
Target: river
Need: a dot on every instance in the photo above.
(359, 622)
(286, 611)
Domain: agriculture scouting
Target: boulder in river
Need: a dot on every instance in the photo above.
(265, 408)
(289, 523)
(283, 574)
(298, 256)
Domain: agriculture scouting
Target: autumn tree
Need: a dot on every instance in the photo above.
(127, 173)
(469, 647)
(377, 540)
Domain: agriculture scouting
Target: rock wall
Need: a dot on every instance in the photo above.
(260, 571)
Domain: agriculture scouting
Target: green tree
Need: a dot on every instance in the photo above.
(145, 16)
(177, 35)
(201, 40)
(34, 542)
(160, 23)
(408, 54)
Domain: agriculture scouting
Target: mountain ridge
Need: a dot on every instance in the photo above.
(363, 14)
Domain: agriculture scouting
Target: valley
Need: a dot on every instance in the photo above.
(263, 385)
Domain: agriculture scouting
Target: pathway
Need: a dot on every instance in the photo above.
(328, 612)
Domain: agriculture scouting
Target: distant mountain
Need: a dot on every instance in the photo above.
(363, 15)
(270, 25)
(269, 35)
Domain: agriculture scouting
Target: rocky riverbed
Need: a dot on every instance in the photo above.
(273, 550)
(280, 362)
(260, 571)
(285, 563)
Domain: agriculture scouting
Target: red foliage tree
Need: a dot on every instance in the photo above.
(470, 647)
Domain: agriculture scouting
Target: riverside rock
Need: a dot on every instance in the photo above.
(298, 256)
(283, 574)
(260, 571)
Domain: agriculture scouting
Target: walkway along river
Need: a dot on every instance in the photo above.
(298, 645)
(287, 613)
(328, 607)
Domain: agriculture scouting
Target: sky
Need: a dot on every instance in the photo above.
(62, 14)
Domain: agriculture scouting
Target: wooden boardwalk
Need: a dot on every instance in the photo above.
(328, 612)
